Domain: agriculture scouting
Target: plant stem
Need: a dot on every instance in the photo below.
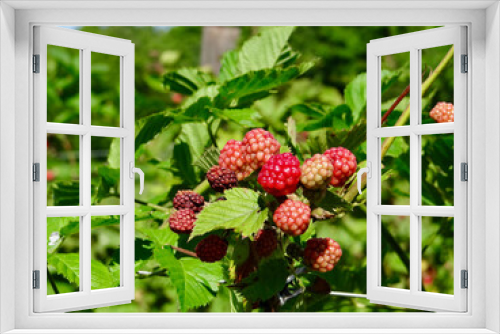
(395, 104)
(182, 250)
(154, 206)
(202, 187)
(353, 191)
(52, 282)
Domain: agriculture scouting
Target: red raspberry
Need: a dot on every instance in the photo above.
(221, 178)
(231, 157)
(212, 248)
(316, 172)
(182, 221)
(280, 175)
(259, 146)
(187, 199)
(322, 254)
(292, 217)
(443, 112)
(265, 242)
(344, 165)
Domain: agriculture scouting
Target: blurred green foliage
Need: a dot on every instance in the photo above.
(326, 106)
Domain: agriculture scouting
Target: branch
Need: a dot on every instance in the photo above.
(52, 282)
(154, 206)
(182, 250)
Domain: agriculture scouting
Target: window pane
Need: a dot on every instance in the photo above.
(105, 89)
(396, 251)
(437, 169)
(395, 81)
(105, 263)
(396, 172)
(105, 170)
(437, 101)
(63, 258)
(63, 85)
(437, 254)
(63, 170)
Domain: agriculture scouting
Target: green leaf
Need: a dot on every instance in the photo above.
(74, 225)
(337, 118)
(240, 212)
(254, 85)
(229, 66)
(268, 280)
(68, 265)
(152, 126)
(196, 282)
(264, 50)
(245, 117)
(186, 80)
(208, 159)
(160, 237)
(355, 95)
(331, 202)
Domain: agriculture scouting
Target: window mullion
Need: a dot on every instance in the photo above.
(415, 262)
(85, 251)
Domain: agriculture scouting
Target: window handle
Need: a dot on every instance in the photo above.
(141, 176)
(367, 170)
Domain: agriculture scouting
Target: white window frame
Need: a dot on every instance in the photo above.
(413, 44)
(484, 103)
(86, 44)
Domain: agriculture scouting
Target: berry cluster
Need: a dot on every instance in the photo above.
(292, 217)
(443, 112)
(251, 153)
(221, 178)
(187, 199)
(344, 165)
(280, 175)
(265, 242)
(322, 254)
(211, 249)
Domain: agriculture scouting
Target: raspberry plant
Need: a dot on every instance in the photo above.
(251, 184)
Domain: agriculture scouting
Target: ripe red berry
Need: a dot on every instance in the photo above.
(187, 199)
(182, 221)
(280, 175)
(322, 254)
(177, 98)
(292, 217)
(259, 146)
(221, 178)
(265, 242)
(211, 249)
(344, 165)
(231, 157)
(316, 172)
(443, 112)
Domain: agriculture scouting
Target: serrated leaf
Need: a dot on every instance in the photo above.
(337, 118)
(186, 80)
(241, 212)
(208, 159)
(268, 280)
(250, 86)
(68, 265)
(196, 282)
(264, 50)
(152, 126)
(229, 66)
